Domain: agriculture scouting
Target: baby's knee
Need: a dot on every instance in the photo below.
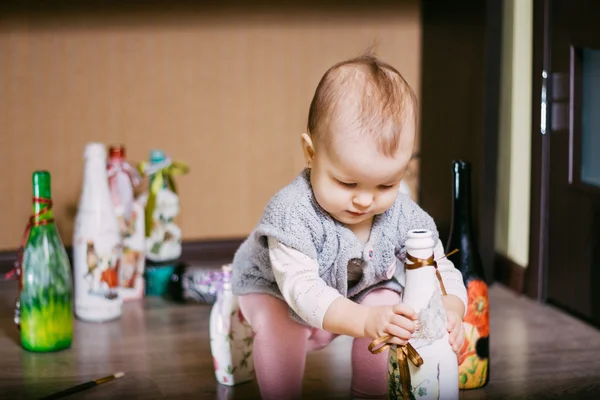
(264, 312)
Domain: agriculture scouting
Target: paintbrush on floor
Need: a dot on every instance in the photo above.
(84, 386)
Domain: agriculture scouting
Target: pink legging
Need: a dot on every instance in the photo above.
(279, 374)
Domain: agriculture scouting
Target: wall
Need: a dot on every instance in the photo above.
(459, 90)
(225, 90)
(514, 168)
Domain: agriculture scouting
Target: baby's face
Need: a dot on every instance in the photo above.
(353, 181)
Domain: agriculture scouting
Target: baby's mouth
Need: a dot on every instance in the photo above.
(355, 213)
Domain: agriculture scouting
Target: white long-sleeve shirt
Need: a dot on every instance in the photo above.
(297, 276)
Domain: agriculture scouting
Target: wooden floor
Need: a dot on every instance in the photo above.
(536, 352)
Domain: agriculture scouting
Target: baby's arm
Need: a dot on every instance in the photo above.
(456, 300)
(297, 276)
(323, 307)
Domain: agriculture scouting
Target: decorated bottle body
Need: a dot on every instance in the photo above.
(231, 337)
(122, 178)
(45, 300)
(474, 356)
(161, 207)
(96, 244)
(436, 377)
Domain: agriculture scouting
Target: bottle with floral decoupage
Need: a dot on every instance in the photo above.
(122, 179)
(45, 299)
(231, 337)
(96, 244)
(474, 361)
(161, 207)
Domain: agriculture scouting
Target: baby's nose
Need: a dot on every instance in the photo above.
(364, 199)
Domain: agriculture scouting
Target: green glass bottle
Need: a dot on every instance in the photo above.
(45, 301)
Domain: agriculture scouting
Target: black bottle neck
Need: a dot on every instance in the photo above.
(462, 220)
(467, 260)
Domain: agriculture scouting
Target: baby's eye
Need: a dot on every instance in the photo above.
(346, 184)
(386, 187)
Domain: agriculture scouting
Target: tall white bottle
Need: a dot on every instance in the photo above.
(96, 244)
(231, 337)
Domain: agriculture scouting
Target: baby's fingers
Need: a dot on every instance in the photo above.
(451, 321)
(403, 309)
(452, 339)
(399, 335)
(404, 323)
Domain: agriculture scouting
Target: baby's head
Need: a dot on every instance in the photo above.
(361, 129)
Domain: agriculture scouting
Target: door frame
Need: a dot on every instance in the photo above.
(535, 279)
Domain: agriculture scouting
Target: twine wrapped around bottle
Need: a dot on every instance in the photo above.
(34, 220)
(162, 173)
(406, 352)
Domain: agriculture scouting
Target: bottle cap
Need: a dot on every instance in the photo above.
(116, 151)
(226, 268)
(461, 165)
(95, 150)
(157, 156)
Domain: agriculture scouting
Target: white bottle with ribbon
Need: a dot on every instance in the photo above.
(96, 244)
(426, 367)
(231, 337)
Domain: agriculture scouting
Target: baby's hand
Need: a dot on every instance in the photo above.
(456, 330)
(396, 320)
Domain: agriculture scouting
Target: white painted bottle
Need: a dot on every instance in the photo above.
(437, 377)
(231, 337)
(96, 244)
(122, 178)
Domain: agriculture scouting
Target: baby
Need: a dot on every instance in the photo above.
(322, 260)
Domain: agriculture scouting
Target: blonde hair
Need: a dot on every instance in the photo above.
(379, 99)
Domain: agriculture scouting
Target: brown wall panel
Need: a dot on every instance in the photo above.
(226, 92)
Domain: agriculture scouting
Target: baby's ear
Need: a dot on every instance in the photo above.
(308, 149)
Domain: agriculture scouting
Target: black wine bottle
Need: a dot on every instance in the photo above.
(473, 358)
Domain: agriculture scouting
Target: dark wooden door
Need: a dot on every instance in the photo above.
(573, 180)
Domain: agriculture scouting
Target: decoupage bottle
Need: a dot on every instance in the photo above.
(96, 244)
(161, 207)
(474, 363)
(122, 178)
(231, 337)
(45, 300)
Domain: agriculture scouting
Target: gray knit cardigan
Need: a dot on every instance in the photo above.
(294, 218)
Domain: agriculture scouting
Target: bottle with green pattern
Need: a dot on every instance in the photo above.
(45, 301)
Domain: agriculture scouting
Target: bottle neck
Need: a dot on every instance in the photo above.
(95, 181)
(153, 177)
(226, 282)
(461, 191)
(115, 161)
(41, 211)
(42, 202)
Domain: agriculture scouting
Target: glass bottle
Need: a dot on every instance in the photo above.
(122, 179)
(45, 300)
(96, 244)
(474, 364)
(231, 337)
(162, 234)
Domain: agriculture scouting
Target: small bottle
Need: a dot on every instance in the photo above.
(161, 208)
(162, 205)
(231, 337)
(474, 363)
(96, 244)
(122, 179)
(45, 301)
